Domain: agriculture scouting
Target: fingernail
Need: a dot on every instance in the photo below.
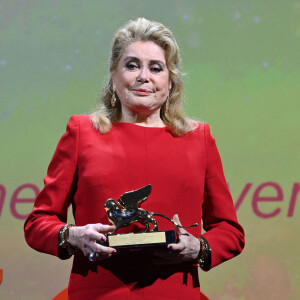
(170, 247)
(114, 252)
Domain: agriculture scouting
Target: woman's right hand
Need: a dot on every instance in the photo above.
(85, 237)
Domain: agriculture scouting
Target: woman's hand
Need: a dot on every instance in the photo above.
(85, 237)
(187, 248)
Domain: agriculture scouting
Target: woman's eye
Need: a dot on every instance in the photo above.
(156, 69)
(131, 66)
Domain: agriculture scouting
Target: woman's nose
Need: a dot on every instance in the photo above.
(143, 75)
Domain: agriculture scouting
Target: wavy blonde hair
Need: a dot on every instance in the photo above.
(142, 29)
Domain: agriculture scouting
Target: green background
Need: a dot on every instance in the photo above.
(242, 65)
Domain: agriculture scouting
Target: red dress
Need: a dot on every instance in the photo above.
(187, 178)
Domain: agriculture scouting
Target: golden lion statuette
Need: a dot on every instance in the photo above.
(127, 211)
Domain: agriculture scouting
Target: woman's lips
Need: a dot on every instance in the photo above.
(142, 92)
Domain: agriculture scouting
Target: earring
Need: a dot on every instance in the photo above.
(166, 105)
(113, 99)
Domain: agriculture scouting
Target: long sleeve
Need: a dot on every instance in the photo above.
(223, 232)
(50, 209)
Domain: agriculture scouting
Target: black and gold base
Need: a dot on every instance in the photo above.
(139, 240)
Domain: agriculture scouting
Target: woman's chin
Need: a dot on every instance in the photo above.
(144, 108)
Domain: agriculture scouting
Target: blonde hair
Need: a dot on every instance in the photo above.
(142, 29)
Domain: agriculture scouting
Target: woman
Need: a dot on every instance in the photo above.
(139, 136)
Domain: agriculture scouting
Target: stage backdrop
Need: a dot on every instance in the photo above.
(243, 78)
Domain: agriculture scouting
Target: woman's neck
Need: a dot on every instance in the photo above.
(151, 120)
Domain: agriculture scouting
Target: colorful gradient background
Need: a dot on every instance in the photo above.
(243, 78)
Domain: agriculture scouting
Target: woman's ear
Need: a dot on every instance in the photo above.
(113, 83)
(170, 86)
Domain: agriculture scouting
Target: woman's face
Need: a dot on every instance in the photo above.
(141, 79)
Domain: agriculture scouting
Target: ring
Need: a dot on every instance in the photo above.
(93, 256)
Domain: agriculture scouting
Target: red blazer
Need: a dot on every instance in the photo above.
(187, 178)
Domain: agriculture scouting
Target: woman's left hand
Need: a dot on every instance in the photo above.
(187, 248)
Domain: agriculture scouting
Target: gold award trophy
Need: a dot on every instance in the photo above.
(127, 211)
